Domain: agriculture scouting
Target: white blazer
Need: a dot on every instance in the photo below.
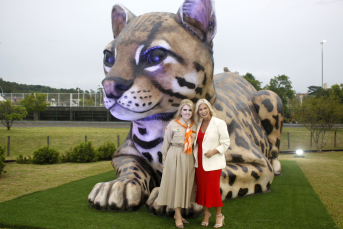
(216, 137)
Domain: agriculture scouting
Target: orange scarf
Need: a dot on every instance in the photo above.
(188, 137)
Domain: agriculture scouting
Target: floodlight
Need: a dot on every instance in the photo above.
(299, 153)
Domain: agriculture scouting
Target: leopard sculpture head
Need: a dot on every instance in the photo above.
(155, 61)
(148, 72)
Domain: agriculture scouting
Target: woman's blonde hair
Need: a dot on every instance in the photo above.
(196, 112)
(184, 102)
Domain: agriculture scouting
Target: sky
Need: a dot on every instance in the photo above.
(60, 43)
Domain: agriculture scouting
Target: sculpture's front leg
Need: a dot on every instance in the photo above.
(135, 180)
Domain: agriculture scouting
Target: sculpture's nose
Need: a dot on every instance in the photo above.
(115, 86)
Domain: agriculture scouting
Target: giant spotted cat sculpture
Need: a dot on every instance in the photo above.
(155, 61)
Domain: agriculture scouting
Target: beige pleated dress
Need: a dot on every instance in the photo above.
(177, 187)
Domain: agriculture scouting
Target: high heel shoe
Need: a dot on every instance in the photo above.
(178, 224)
(183, 220)
(218, 225)
(204, 223)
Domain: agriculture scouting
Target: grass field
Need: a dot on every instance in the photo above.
(324, 171)
(22, 179)
(300, 138)
(292, 203)
(26, 140)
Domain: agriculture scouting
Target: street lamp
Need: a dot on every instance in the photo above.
(322, 61)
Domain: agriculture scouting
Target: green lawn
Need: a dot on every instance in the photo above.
(323, 170)
(292, 203)
(300, 138)
(26, 140)
(22, 179)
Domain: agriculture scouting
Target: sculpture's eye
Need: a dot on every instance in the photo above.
(108, 58)
(154, 56)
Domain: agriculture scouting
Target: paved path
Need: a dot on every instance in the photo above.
(71, 124)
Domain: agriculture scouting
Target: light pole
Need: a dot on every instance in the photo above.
(100, 91)
(322, 43)
(78, 97)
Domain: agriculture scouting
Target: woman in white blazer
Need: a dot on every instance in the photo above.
(212, 140)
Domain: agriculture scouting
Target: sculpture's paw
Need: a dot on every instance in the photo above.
(193, 210)
(120, 194)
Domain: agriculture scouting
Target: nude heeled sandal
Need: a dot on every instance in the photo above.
(179, 224)
(183, 220)
(218, 225)
(203, 223)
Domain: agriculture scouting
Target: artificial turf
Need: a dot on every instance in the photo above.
(292, 203)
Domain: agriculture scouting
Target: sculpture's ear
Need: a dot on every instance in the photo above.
(199, 17)
(120, 18)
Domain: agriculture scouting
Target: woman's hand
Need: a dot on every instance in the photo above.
(210, 153)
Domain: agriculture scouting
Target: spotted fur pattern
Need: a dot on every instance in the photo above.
(155, 61)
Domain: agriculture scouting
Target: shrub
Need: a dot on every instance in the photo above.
(23, 160)
(2, 159)
(105, 151)
(65, 157)
(83, 152)
(45, 155)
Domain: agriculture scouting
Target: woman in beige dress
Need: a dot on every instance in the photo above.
(177, 189)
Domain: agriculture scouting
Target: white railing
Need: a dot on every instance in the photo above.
(62, 99)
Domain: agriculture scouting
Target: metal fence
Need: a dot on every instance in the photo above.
(302, 139)
(62, 99)
(39, 143)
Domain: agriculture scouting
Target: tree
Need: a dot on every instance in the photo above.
(88, 101)
(12, 87)
(251, 79)
(318, 115)
(312, 90)
(35, 104)
(10, 113)
(335, 90)
(282, 86)
(318, 91)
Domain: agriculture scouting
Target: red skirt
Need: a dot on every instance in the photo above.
(208, 182)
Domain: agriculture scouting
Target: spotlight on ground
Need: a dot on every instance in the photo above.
(299, 153)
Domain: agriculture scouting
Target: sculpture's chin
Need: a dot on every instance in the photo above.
(124, 114)
(153, 114)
